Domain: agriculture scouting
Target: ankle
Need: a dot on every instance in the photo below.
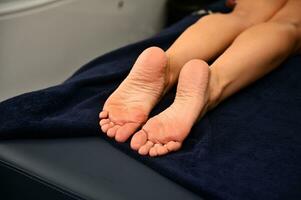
(172, 71)
(215, 90)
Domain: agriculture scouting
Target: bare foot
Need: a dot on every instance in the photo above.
(165, 132)
(128, 107)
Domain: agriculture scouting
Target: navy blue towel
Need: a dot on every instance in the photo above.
(249, 147)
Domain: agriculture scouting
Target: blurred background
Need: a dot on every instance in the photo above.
(42, 42)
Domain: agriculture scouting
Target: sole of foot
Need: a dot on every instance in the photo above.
(129, 105)
(166, 131)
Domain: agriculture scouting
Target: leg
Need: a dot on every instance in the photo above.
(129, 106)
(204, 39)
(256, 52)
(244, 61)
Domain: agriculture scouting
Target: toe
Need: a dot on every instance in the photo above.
(162, 150)
(139, 139)
(125, 131)
(153, 151)
(105, 127)
(144, 150)
(112, 131)
(104, 121)
(103, 114)
(173, 146)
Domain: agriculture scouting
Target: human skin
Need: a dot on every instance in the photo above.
(210, 36)
(256, 52)
(240, 55)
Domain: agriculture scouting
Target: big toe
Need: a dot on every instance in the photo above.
(139, 139)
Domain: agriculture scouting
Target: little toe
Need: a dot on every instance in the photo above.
(125, 131)
(139, 139)
(104, 121)
(173, 146)
(112, 131)
(103, 114)
(144, 150)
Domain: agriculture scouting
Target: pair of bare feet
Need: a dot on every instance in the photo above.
(126, 111)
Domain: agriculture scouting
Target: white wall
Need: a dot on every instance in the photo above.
(43, 45)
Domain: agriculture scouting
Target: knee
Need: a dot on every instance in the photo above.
(294, 24)
(231, 19)
(256, 12)
(289, 29)
(215, 17)
(248, 18)
(244, 17)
